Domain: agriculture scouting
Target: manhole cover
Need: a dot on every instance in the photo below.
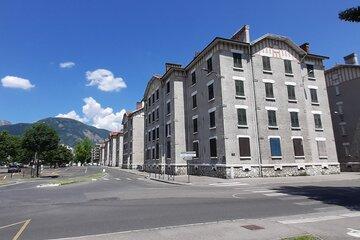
(252, 227)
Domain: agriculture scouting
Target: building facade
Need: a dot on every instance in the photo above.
(95, 153)
(133, 138)
(246, 108)
(343, 85)
(115, 149)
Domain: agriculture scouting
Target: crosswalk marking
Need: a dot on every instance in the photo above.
(117, 179)
(276, 194)
(128, 179)
(307, 203)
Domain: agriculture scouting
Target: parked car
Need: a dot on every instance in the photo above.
(14, 168)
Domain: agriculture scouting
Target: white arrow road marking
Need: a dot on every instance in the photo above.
(353, 233)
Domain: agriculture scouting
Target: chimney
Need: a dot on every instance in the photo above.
(139, 105)
(171, 65)
(242, 35)
(305, 47)
(351, 59)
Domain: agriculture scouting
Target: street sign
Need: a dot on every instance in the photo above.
(188, 155)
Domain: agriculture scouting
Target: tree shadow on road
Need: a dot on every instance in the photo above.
(348, 197)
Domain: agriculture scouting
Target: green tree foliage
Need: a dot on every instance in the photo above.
(350, 14)
(39, 139)
(57, 157)
(83, 151)
(8, 147)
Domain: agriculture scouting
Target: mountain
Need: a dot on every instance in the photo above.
(4, 122)
(70, 131)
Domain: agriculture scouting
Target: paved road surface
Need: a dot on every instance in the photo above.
(122, 201)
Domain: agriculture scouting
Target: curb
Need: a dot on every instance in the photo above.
(170, 182)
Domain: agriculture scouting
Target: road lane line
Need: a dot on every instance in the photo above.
(129, 179)
(307, 203)
(10, 225)
(264, 191)
(117, 179)
(22, 229)
(311, 220)
(275, 194)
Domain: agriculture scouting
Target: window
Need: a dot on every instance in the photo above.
(294, 116)
(149, 136)
(193, 78)
(244, 147)
(168, 87)
(321, 146)
(241, 114)
(317, 119)
(211, 91)
(337, 90)
(212, 119)
(269, 90)
(168, 149)
(239, 88)
(275, 147)
(195, 125)
(343, 130)
(213, 148)
(168, 129)
(147, 153)
(298, 147)
(310, 70)
(157, 151)
(153, 153)
(157, 133)
(196, 148)
(153, 116)
(313, 94)
(194, 102)
(340, 107)
(168, 108)
(288, 68)
(237, 60)
(272, 118)
(209, 65)
(157, 94)
(291, 92)
(157, 114)
(346, 149)
(149, 118)
(266, 63)
(153, 134)
(153, 98)
(149, 101)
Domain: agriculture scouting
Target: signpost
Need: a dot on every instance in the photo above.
(187, 156)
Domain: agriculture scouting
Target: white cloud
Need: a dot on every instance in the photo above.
(16, 82)
(72, 115)
(97, 116)
(105, 80)
(67, 65)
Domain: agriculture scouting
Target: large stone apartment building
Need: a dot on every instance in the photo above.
(247, 108)
(111, 150)
(133, 138)
(343, 85)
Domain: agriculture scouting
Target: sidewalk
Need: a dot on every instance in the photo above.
(212, 181)
(229, 230)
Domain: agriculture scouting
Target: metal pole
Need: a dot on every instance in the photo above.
(187, 170)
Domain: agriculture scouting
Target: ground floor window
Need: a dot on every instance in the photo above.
(213, 147)
(298, 147)
(244, 147)
(275, 147)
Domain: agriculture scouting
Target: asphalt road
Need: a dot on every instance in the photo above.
(122, 201)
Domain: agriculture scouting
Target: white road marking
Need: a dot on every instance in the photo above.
(353, 233)
(129, 179)
(293, 198)
(264, 191)
(117, 179)
(106, 179)
(322, 218)
(275, 194)
(48, 185)
(226, 184)
(5, 177)
(143, 179)
(307, 203)
(86, 170)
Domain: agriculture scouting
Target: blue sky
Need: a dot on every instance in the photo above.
(133, 40)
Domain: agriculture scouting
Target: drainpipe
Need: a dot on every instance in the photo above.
(256, 111)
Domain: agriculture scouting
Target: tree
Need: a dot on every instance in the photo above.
(38, 139)
(83, 151)
(9, 147)
(58, 157)
(350, 14)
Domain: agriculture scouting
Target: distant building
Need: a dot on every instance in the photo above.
(115, 146)
(133, 137)
(95, 153)
(343, 87)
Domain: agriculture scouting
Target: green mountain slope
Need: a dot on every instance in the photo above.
(69, 130)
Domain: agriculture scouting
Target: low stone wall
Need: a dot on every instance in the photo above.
(247, 171)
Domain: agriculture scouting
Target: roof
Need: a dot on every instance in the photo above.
(337, 66)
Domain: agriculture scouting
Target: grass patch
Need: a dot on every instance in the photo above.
(303, 237)
(87, 178)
